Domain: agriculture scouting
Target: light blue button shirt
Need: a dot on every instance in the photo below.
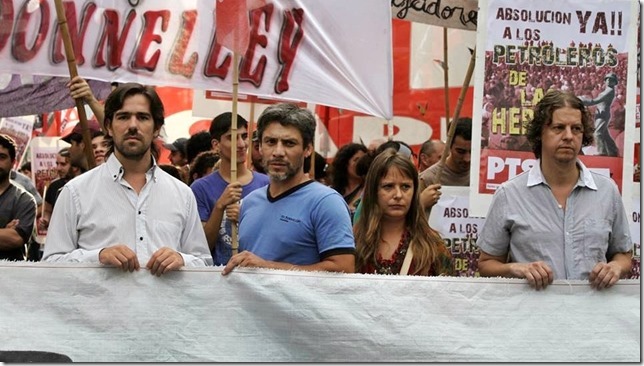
(526, 220)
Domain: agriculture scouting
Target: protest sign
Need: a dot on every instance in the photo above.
(19, 129)
(526, 48)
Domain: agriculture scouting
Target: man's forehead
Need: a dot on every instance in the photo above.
(276, 130)
(460, 142)
(240, 130)
(135, 100)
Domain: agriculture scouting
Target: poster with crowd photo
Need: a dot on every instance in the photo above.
(19, 128)
(525, 48)
(451, 217)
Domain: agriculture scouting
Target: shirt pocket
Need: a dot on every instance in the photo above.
(166, 234)
(596, 236)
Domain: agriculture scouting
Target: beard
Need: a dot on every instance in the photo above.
(135, 152)
(4, 175)
(290, 171)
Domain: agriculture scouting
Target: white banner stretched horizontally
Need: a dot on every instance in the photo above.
(333, 52)
(102, 314)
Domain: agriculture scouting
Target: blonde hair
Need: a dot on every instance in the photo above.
(423, 240)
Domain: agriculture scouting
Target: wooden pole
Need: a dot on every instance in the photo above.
(457, 111)
(233, 142)
(251, 129)
(446, 73)
(73, 72)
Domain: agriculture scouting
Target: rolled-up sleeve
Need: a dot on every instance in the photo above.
(494, 238)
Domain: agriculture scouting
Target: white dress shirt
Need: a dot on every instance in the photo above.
(99, 209)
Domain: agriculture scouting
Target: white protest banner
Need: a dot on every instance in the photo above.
(451, 217)
(253, 315)
(331, 52)
(460, 14)
(19, 129)
(526, 47)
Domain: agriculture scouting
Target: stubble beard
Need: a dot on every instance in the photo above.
(134, 153)
(290, 172)
(4, 175)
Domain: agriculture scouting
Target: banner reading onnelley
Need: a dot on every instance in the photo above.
(330, 52)
(525, 48)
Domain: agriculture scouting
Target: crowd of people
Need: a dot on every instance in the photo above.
(365, 212)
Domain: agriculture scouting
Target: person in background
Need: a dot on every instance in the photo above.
(172, 170)
(101, 144)
(25, 169)
(375, 144)
(217, 194)
(26, 183)
(17, 207)
(430, 153)
(178, 156)
(455, 171)
(321, 168)
(77, 146)
(203, 165)
(65, 173)
(79, 88)
(345, 177)
(141, 214)
(558, 220)
(393, 235)
(294, 222)
(198, 143)
(256, 155)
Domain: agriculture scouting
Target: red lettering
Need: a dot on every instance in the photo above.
(211, 69)
(19, 48)
(290, 39)
(176, 66)
(6, 22)
(147, 37)
(256, 39)
(110, 37)
(77, 36)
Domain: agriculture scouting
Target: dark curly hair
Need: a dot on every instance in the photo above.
(341, 164)
(553, 100)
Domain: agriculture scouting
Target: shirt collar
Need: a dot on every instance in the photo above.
(535, 176)
(115, 168)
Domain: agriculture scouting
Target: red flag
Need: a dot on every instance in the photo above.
(232, 25)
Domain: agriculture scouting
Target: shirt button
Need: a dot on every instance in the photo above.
(139, 212)
(141, 238)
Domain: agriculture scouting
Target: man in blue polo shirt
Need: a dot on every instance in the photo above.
(294, 222)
